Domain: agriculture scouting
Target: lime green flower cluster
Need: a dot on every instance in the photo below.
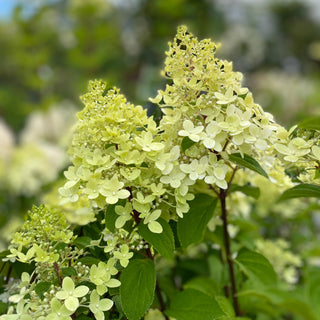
(208, 115)
(300, 148)
(54, 290)
(269, 195)
(116, 243)
(285, 262)
(58, 301)
(40, 231)
(125, 163)
(113, 150)
(77, 213)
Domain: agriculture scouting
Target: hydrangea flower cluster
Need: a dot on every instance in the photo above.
(114, 157)
(43, 228)
(55, 289)
(300, 148)
(40, 154)
(143, 171)
(285, 262)
(33, 166)
(80, 212)
(208, 115)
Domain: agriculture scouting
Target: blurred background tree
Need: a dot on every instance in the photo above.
(51, 49)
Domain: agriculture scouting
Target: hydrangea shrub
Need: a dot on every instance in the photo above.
(154, 217)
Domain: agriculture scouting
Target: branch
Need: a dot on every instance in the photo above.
(214, 190)
(161, 301)
(222, 196)
(57, 271)
(233, 174)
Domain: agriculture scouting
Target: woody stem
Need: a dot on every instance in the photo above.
(222, 197)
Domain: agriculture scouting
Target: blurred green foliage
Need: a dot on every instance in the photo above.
(49, 53)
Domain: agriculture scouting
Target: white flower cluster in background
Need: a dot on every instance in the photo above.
(39, 155)
(285, 262)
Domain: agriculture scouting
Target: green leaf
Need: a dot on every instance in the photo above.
(203, 284)
(114, 291)
(69, 271)
(262, 299)
(117, 302)
(19, 268)
(256, 267)
(310, 123)
(217, 271)
(312, 279)
(225, 305)
(248, 190)
(163, 242)
(247, 162)
(186, 143)
(174, 227)
(3, 254)
(192, 304)
(192, 226)
(194, 266)
(138, 283)
(3, 307)
(300, 308)
(108, 145)
(83, 317)
(89, 260)
(41, 288)
(111, 217)
(82, 242)
(93, 230)
(272, 296)
(301, 190)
